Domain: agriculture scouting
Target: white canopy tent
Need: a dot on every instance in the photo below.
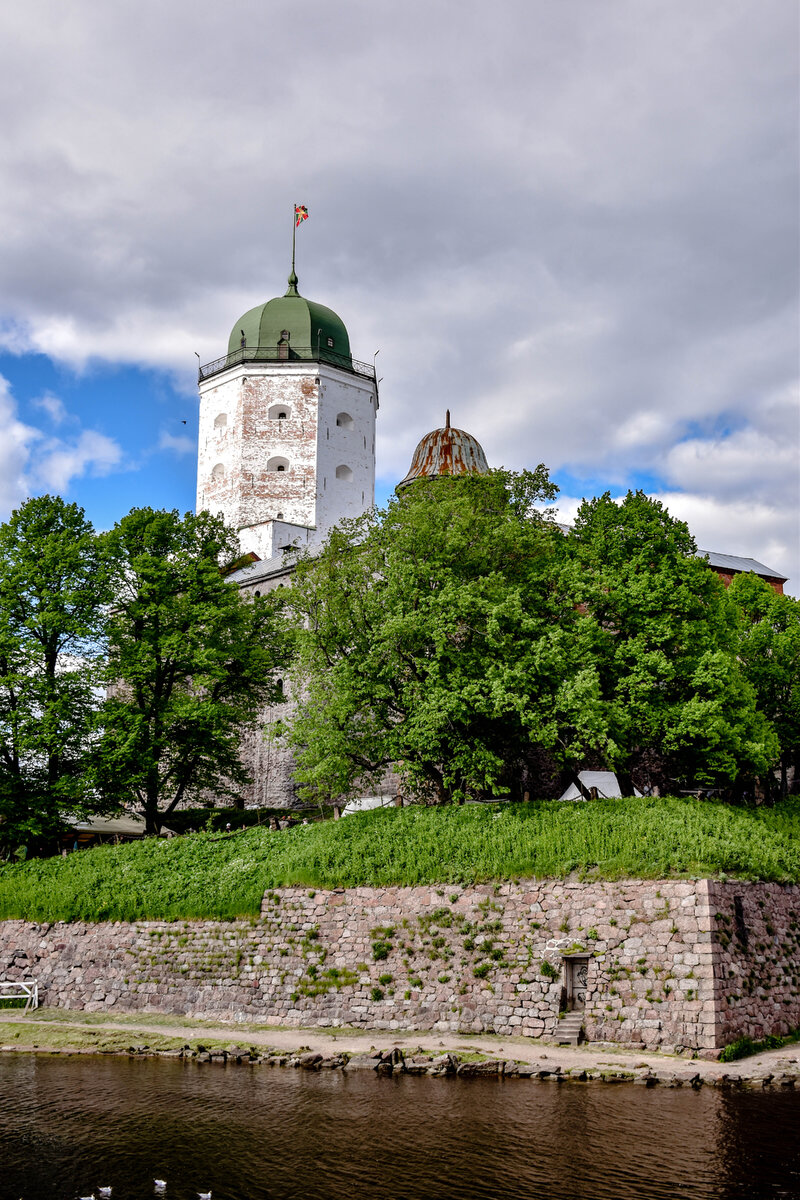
(367, 804)
(606, 783)
(123, 825)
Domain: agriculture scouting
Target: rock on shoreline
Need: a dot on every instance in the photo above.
(785, 1076)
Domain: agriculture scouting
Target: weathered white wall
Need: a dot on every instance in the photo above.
(241, 438)
(241, 433)
(339, 446)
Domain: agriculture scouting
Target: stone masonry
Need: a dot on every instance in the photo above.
(690, 964)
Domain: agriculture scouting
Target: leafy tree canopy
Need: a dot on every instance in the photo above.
(663, 640)
(768, 649)
(52, 588)
(189, 663)
(437, 638)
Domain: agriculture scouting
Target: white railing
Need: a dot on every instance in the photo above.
(14, 989)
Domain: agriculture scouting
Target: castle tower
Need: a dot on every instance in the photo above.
(287, 427)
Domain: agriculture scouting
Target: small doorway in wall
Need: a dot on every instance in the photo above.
(576, 980)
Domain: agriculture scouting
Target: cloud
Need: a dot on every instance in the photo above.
(16, 440)
(747, 462)
(761, 531)
(57, 463)
(31, 462)
(53, 405)
(575, 225)
(178, 444)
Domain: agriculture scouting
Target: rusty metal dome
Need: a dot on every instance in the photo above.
(446, 451)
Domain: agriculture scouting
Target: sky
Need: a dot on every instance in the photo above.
(574, 224)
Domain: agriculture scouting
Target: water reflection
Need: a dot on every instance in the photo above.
(69, 1125)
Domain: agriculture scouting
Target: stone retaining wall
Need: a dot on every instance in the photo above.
(756, 947)
(668, 965)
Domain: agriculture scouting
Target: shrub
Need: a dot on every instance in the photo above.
(743, 1047)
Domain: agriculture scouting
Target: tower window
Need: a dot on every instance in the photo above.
(220, 420)
(345, 473)
(278, 464)
(330, 342)
(279, 412)
(279, 516)
(344, 420)
(280, 467)
(218, 471)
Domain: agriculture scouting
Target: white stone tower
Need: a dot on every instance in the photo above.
(287, 427)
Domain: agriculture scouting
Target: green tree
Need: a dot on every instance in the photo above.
(663, 642)
(189, 663)
(52, 588)
(768, 648)
(435, 639)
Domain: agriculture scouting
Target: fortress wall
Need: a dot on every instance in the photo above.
(756, 947)
(469, 959)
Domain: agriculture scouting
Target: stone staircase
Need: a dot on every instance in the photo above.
(569, 1029)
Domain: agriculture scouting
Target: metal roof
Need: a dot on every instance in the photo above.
(446, 451)
(263, 569)
(723, 562)
(307, 323)
(731, 562)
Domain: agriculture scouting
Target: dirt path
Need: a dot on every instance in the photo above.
(80, 1034)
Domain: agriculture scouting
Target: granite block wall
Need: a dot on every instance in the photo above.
(666, 966)
(756, 956)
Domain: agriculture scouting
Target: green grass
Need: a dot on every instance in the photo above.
(744, 1047)
(206, 876)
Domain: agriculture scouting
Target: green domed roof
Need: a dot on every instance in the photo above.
(311, 327)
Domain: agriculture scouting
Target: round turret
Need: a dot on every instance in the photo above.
(291, 327)
(446, 451)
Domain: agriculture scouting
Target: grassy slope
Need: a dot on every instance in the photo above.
(207, 876)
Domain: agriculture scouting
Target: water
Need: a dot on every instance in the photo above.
(69, 1125)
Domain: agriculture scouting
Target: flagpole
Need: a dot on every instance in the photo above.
(294, 233)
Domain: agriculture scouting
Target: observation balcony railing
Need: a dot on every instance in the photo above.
(286, 354)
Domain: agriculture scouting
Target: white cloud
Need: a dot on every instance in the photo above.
(57, 463)
(16, 440)
(53, 405)
(746, 463)
(179, 444)
(595, 267)
(31, 462)
(643, 429)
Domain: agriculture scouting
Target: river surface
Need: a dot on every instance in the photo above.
(71, 1125)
